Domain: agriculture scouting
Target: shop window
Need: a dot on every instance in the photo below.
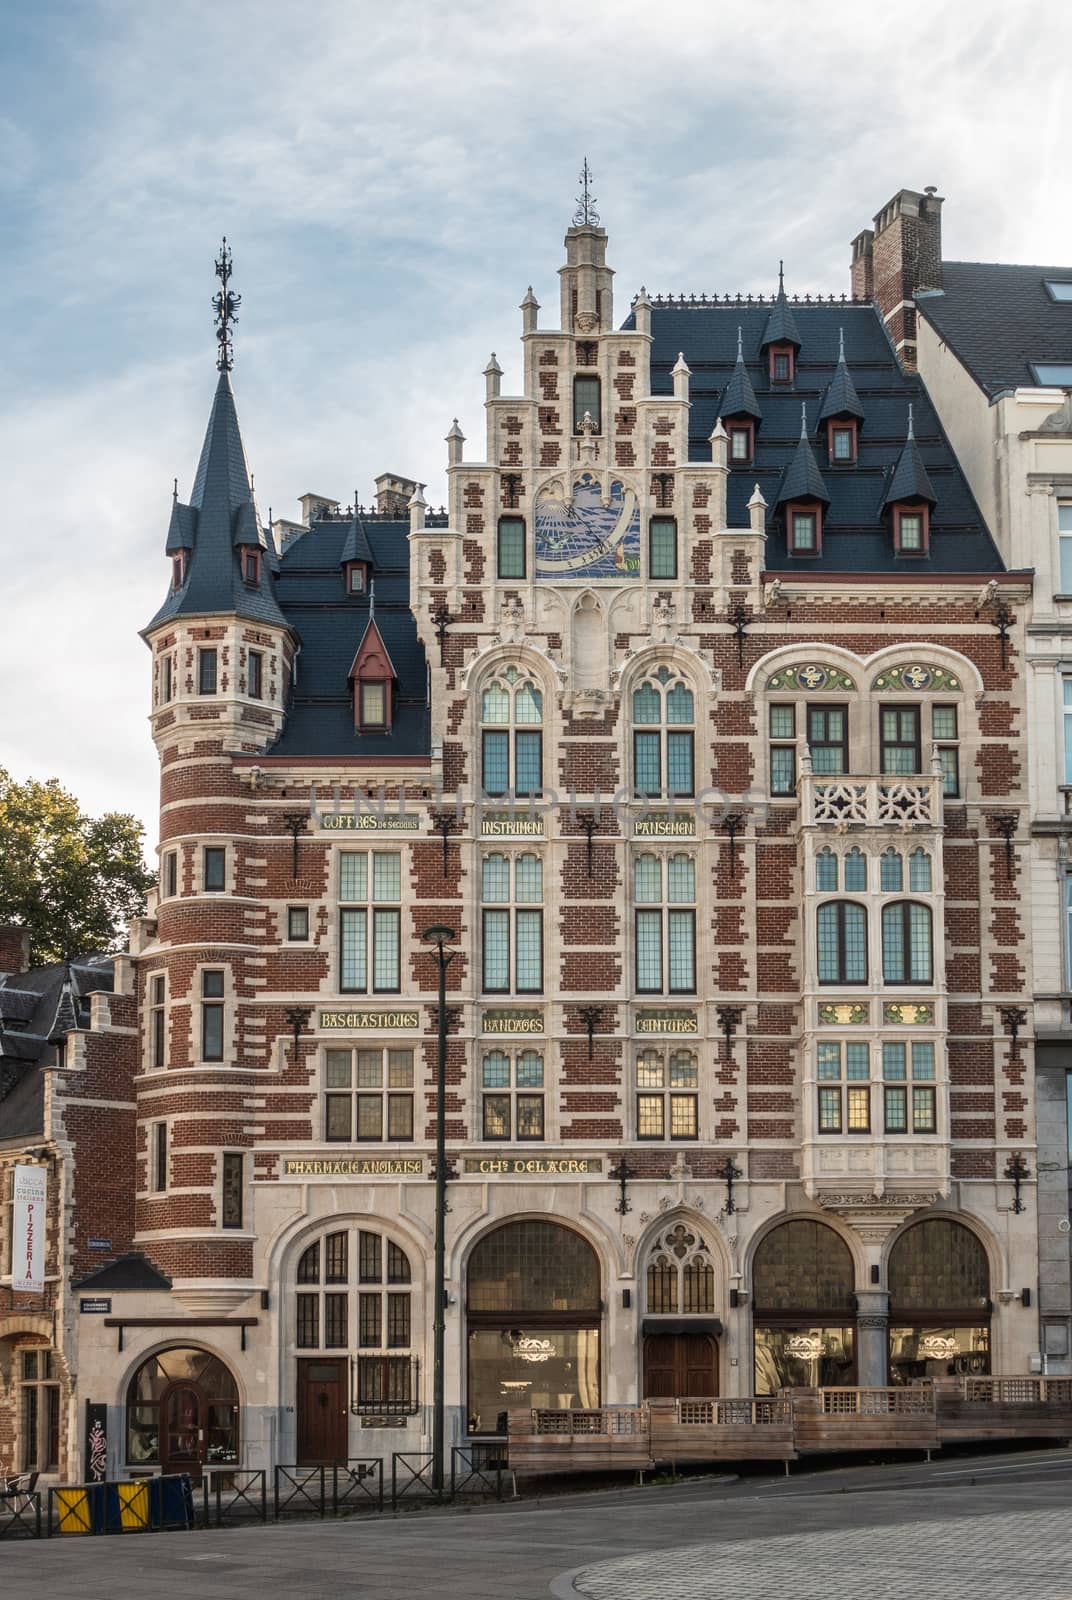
(906, 942)
(512, 1095)
(664, 895)
(828, 739)
(939, 1286)
(206, 671)
(908, 1074)
(39, 1410)
(370, 921)
(533, 1312)
(900, 753)
(841, 928)
(368, 1095)
(182, 1412)
(666, 1098)
(843, 1072)
(944, 731)
(256, 675)
(157, 1022)
(212, 999)
(663, 717)
(804, 1308)
(662, 547)
(511, 714)
(512, 924)
(783, 750)
(680, 1275)
(511, 563)
(232, 1185)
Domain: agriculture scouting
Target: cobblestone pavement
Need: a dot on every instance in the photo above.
(993, 1557)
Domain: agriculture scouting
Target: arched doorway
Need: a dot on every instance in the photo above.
(804, 1300)
(680, 1329)
(182, 1412)
(533, 1313)
(939, 1284)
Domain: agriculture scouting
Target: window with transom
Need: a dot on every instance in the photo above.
(945, 732)
(783, 748)
(667, 1103)
(664, 895)
(900, 750)
(39, 1410)
(511, 715)
(681, 1274)
(663, 736)
(843, 1072)
(370, 921)
(909, 1090)
(354, 1293)
(512, 1087)
(511, 891)
(368, 1094)
(828, 738)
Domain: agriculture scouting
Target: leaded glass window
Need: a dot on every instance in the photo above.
(370, 933)
(663, 738)
(665, 931)
(906, 943)
(841, 927)
(511, 714)
(512, 929)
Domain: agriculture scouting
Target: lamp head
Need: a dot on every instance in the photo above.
(440, 936)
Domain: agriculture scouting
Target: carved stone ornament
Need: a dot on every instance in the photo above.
(511, 622)
(664, 624)
(880, 1323)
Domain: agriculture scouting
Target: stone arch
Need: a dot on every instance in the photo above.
(588, 643)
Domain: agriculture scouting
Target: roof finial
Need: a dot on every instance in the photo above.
(739, 355)
(803, 419)
(781, 277)
(841, 344)
(911, 424)
(586, 214)
(175, 489)
(225, 304)
(372, 598)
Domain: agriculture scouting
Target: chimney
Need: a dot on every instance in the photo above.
(14, 948)
(899, 257)
(394, 493)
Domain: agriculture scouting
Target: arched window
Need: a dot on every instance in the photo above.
(939, 1285)
(663, 717)
(841, 927)
(182, 1412)
(856, 871)
(919, 872)
(511, 714)
(353, 1293)
(906, 942)
(533, 1308)
(891, 879)
(664, 894)
(803, 1293)
(826, 871)
(680, 1275)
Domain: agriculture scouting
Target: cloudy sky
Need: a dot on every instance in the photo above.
(391, 177)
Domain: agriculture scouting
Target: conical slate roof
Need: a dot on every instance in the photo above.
(841, 399)
(356, 546)
(910, 480)
(781, 324)
(802, 479)
(221, 515)
(739, 398)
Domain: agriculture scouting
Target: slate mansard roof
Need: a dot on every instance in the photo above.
(999, 320)
(856, 531)
(37, 1008)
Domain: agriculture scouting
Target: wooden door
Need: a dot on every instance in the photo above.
(680, 1366)
(323, 1411)
(182, 1429)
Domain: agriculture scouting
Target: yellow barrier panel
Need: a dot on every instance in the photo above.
(133, 1504)
(72, 1506)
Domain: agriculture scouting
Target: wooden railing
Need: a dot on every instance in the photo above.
(1017, 1391)
(917, 1401)
(608, 1421)
(761, 1412)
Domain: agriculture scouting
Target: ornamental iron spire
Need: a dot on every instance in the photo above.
(225, 304)
(911, 422)
(586, 214)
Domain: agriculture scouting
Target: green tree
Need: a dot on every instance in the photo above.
(74, 881)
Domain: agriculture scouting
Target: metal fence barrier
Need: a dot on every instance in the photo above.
(412, 1478)
(477, 1469)
(357, 1484)
(301, 1491)
(233, 1496)
(20, 1515)
(138, 1506)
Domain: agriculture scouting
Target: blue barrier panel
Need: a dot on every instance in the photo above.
(171, 1501)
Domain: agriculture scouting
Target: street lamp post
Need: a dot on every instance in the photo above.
(440, 937)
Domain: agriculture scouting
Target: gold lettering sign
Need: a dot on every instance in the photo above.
(355, 1167)
(667, 1022)
(533, 1166)
(503, 823)
(512, 1022)
(360, 1021)
(664, 827)
(369, 822)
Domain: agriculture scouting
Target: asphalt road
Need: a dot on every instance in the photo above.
(534, 1548)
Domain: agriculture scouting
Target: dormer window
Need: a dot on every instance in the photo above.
(355, 577)
(911, 529)
(742, 443)
(372, 706)
(782, 362)
(251, 566)
(804, 528)
(178, 570)
(841, 442)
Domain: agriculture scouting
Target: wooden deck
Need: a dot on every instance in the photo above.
(759, 1429)
(978, 1409)
(893, 1418)
(612, 1439)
